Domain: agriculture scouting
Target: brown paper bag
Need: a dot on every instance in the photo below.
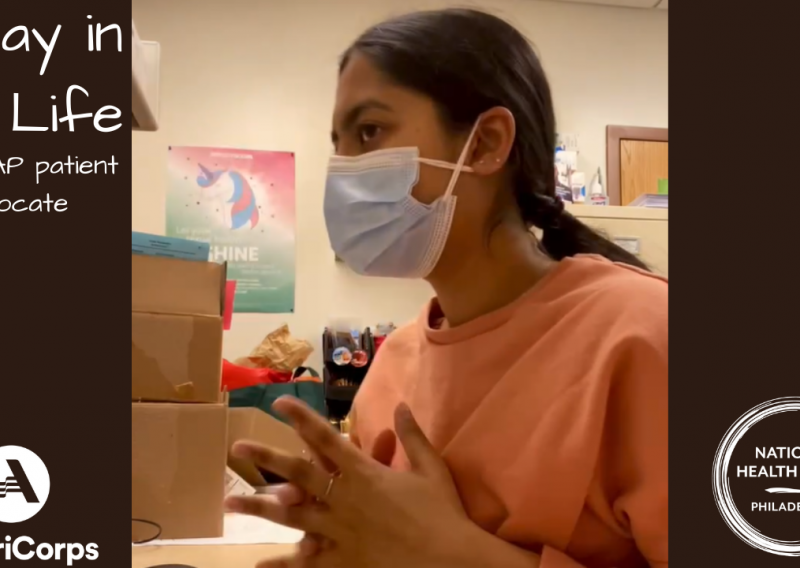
(279, 351)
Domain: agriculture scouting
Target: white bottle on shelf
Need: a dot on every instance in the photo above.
(598, 195)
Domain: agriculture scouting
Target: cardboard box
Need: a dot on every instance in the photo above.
(255, 425)
(176, 329)
(178, 469)
(177, 286)
(176, 358)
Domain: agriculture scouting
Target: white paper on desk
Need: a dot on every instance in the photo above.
(241, 529)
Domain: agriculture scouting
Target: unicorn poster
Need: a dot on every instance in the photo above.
(242, 202)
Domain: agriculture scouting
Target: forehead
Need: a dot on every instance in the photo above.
(362, 81)
(360, 75)
(359, 81)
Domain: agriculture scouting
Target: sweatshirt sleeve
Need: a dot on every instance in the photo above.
(637, 463)
(634, 456)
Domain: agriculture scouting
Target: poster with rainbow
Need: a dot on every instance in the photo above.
(242, 202)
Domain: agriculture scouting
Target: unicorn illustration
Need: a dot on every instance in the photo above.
(241, 207)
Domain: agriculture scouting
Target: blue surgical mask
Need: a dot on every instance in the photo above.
(374, 223)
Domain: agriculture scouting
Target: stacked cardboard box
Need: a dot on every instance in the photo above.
(179, 417)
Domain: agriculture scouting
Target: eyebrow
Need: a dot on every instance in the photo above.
(352, 115)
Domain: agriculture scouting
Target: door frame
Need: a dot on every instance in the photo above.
(614, 137)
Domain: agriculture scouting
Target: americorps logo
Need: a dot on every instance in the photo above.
(24, 489)
(24, 484)
(756, 479)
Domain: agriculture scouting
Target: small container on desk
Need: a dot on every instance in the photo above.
(346, 362)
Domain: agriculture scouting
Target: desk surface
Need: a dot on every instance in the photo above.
(239, 556)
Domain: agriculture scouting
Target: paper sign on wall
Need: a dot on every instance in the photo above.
(242, 202)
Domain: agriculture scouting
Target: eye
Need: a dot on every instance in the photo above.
(367, 132)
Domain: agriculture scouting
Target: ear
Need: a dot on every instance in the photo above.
(493, 140)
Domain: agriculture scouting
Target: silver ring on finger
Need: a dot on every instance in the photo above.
(331, 481)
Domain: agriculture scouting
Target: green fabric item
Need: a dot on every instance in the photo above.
(262, 396)
(663, 187)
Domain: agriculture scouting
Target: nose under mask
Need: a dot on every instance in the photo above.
(374, 223)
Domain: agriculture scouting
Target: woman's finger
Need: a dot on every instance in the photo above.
(326, 559)
(288, 494)
(318, 434)
(298, 471)
(296, 561)
(284, 562)
(288, 562)
(383, 450)
(312, 518)
(310, 545)
(421, 454)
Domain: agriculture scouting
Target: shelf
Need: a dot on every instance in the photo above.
(617, 212)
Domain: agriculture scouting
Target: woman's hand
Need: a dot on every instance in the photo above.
(289, 495)
(364, 514)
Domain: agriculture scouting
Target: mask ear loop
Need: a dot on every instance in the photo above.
(460, 165)
(444, 221)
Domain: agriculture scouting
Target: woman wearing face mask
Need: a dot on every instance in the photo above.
(521, 421)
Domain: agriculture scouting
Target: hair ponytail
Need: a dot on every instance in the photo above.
(570, 237)
(563, 234)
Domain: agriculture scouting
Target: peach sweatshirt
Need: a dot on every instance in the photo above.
(551, 413)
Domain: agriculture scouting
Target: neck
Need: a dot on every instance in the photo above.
(490, 279)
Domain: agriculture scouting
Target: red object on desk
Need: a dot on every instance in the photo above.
(237, 377)
(230, 294)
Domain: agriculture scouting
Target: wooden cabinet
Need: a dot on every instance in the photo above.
(636, 159)
(642, 165)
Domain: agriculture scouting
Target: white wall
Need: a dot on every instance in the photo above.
(261, 74)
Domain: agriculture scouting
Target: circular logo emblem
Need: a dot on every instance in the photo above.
(24, 484)
(755, 477)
